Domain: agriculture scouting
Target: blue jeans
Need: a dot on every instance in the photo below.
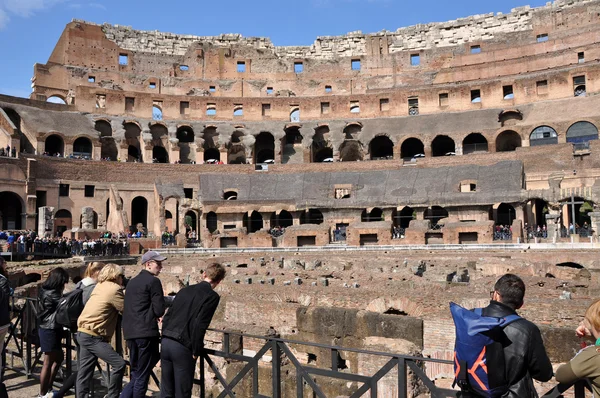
(143, 356)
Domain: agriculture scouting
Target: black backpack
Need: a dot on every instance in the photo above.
(69, 308)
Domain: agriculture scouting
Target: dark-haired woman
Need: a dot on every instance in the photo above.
(49, 331)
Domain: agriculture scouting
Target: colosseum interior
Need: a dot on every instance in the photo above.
(344, 184)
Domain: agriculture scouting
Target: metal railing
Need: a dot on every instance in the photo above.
(405, 371)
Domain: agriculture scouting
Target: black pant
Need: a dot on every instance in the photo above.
(143, 356)
(177, 367)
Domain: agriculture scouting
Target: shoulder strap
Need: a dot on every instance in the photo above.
(510, 319)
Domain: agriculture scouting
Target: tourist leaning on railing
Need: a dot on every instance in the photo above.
(96, 326)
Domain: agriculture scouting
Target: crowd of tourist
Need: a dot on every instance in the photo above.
(28, 242)
(8, 151)
(502, 232)
(277, 231)
(93, 309)
(398, 232)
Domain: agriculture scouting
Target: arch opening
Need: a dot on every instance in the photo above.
(508, 141)
(132, 140)
(264, 148)
(505, 214)
(211, 222)
(474, 142)
(320, 148)
(312, 216)
(381, 148)
(435, 214)
(543, 135)
(442, 145)
(582, 133)
(82, 147)
(403, 218)
(104, 128)
(54, 145)
(139, 212)
(282, 220)
(254, 222)
(212, 155)
(412, 148)
(11, 210)
(374, 215)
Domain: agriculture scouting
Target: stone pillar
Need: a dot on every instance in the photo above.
(458, 149)
(595, 221)
(553, 226)
(278, 151)
(46, 221)
(87, 217)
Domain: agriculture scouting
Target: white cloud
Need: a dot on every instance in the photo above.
(98, 6)
(3, 19)
(23, 8)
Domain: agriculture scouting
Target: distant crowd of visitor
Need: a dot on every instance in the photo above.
(503, 232)
(108, 244)
(8, 151)
(398, 232)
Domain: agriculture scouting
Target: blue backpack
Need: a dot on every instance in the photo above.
(474, 333)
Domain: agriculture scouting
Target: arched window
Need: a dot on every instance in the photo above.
(254, 222)
(55, 99)
(381, 148)
(185, 134)
(264, 148)
(211, 222)
(284, 219)
(320, 147)
(139, 212)
(508, 141)
(442, 145)
(435, 214)
(104, 128)
(543, 135)
(82, 147)
(157, 113)
(230, 195)
(474, 142)
(505, 214)
(132, 137)
(54, 145)
(373, 216)
(403, 218)
(11, 208)
(581, 132)
(412, 148)
(295, 115)
(312, 216)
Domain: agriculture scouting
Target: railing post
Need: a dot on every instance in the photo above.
(334, 360)
(579, 388)
(402, 384)
(276, 372)
(25, 331)
(202, 380)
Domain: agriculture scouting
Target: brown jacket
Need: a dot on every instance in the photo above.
(99, 316)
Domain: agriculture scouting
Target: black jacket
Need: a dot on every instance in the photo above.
(524, 353)
(190, 316)
(5, 294)
(144, 304)
(46, 308)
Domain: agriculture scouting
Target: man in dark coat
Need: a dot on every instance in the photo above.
(144, 305)
(184, 328)
(521, 344)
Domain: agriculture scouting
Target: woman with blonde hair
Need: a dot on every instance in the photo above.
(96, 326)
(586, 363)
(87, 284)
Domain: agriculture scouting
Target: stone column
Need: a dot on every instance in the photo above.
(553, 226)
(595, 221)
(46, 221)
(87, 217)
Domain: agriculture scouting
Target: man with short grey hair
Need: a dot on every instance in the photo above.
(144, 305)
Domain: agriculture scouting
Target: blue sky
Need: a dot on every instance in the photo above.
(29, 29)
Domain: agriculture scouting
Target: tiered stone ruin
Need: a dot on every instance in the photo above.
(474, 131)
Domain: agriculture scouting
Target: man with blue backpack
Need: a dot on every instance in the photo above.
(497, 353)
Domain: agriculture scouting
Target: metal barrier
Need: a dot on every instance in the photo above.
(402, 368)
